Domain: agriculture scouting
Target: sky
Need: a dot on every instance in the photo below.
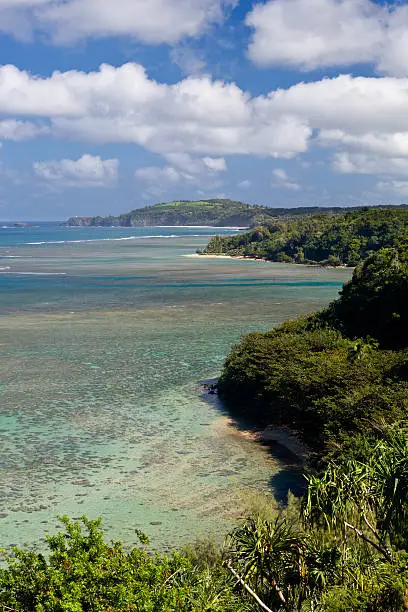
(111, 105)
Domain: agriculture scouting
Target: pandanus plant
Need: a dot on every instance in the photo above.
(368, 498)
(284, 564)
(355, 520)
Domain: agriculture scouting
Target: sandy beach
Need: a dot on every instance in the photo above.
(205, 255)
(317, 265)
(269, 435)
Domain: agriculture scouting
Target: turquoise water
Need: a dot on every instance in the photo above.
(106, 333)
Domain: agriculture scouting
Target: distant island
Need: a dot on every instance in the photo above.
(214, 212)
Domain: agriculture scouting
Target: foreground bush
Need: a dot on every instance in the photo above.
(84, 573)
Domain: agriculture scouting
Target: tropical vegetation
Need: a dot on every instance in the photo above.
(336, 375)
(214, 212)
(340, 239)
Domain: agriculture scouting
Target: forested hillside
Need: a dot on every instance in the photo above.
(214, 212)
(336, 374)
(185, 212)
(345, 239)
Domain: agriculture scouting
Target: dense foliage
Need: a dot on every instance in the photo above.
(316, 381)
(340, 378)
(345, 239)
(345, 549)
(317, 375)
(84, 573)
(374, 302)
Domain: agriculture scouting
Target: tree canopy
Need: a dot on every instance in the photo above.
(344, 239)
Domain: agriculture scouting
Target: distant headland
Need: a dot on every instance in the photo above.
(214, 212)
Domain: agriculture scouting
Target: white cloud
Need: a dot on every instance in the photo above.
(201, 172)
(195, 165)
(151, 21)
(215, 164)
(394, 53)
(196, 122)
(357, 105)
(10, 129)
(160, 180)
(280, 174)
(245, 184)
(87, 171)
(318, 33)
(195, 115)
(382, 144)
(283, 181)
(359, 163)
(399, 188)
(21, 3)
(157, 175)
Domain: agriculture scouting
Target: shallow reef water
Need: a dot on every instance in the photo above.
(103, 346)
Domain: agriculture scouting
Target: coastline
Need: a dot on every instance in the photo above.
(268, 261)
(232, 227)
(270, 436)
(229, 227)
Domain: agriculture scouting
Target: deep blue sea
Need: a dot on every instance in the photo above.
(105, 336)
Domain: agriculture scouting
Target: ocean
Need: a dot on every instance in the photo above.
(106, 334)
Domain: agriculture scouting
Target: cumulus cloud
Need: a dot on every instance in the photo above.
(215, 164)
(281, 180)
(195, 115)
(357, 105)
(359, 163)
(399, 188)
(194, 165)
(379, 143)
(196, 122)
(10, 129)
(150, 21)
(310, 34)
(185, 169)
(87, 171)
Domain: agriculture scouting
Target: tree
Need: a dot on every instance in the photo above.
(374, 303)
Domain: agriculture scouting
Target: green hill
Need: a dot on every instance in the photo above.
(184, 212)
(215, 212)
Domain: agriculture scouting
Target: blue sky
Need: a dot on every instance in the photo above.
(108, 106)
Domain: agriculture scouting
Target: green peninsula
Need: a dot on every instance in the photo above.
(214, 212)
(184, 212)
